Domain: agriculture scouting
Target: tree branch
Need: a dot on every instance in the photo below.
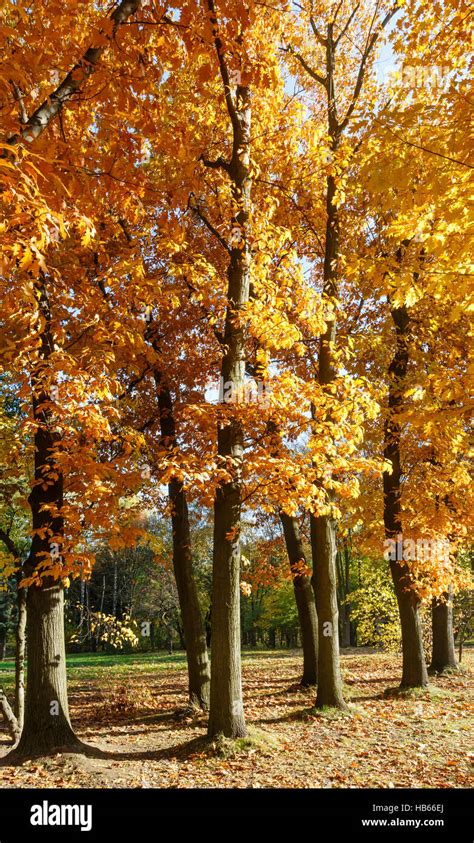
(231, 108)
(316, 33)
(314, 75)
(71, 83)
(19, 98)
(9, 544)
(195, 207)
(219, 164)
(424, 148)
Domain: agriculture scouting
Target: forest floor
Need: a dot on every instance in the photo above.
(133, 709)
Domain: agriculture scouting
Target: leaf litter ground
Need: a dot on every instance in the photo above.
(134, 711)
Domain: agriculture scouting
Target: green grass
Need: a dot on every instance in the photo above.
(121, 660)
(90, 666)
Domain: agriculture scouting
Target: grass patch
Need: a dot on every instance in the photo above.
(330, 712)
(256, 741)
(432, 691)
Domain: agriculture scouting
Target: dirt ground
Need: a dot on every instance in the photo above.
(138, 722)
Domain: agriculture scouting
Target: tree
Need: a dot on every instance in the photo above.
(193, 627)
(328, 31)
(226, 714)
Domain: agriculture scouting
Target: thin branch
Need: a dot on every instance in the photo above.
(19, 98)
(134, 382)
(218, 334)
(361, 74)
(348, 23)
(9, 544)
(316, 33)
(195, 207)
(219, 164)
(424, 148)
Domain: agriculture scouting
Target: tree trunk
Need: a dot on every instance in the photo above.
(323, 526)
(3, 643)
(226, 714)
(304, 597)
(182, 640)
(208, 626)
(46, 726)
(20, 645)
(115, 588)
(9, 717)
(443, 655)
(323, 545)
(193, 627)
(414, 673)
(344, 574)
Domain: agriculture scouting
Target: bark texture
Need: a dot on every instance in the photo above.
(20, 648)
(9, 717)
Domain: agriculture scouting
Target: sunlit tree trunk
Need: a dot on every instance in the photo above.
(323, 526)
